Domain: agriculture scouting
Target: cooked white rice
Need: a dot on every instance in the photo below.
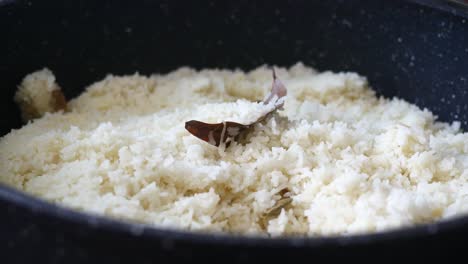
(353, 162)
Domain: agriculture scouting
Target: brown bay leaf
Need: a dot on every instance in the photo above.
(215, 134)
(226, 131)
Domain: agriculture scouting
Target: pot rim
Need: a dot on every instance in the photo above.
(98, 222)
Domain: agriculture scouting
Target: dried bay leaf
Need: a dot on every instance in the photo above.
(215, 134)
(275, 210)
(226, 131)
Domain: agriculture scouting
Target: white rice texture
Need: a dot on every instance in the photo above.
(353, 162)
(35, 94)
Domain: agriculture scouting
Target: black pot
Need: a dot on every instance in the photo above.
(416, 51)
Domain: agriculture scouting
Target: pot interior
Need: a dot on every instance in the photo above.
(406, 50)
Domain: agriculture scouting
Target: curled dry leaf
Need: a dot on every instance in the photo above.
(275, 210)
(284, 192)
(215, 133)
(278, 91)
(224, 132)
(285, 200)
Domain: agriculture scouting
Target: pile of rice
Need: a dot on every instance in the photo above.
(352, 162)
